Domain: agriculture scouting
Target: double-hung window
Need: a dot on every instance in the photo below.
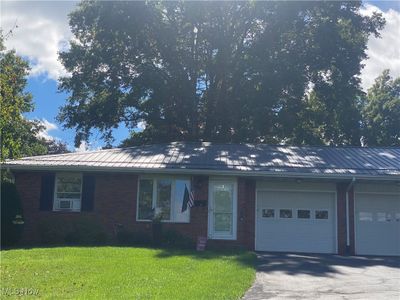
(68, 192)
(162, 197)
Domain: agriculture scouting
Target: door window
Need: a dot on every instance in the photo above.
(303, 214)
(365, 216)
(268, 213)
(285, 213)
(223, 211)
(321, 214)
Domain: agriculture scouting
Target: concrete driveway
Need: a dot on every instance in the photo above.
(298, 276)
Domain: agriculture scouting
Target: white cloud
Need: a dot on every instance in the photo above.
(141, 125)
(83, 147)
(42, 31)
(384, 52)
(48, 127)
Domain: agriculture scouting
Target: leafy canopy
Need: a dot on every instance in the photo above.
(218, 71)
(381, 113)
(18, 135)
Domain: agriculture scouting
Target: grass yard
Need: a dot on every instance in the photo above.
(125, 272)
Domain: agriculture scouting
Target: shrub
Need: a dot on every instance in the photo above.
(172, 238)
(86, 231)
(11, 208)
(51, 231)
(83, 231)
(168, 238)
(133, 238)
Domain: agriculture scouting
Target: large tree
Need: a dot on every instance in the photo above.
(18, 135)
(217, 71)
(381, 112)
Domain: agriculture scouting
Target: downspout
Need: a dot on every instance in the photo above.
(351, 184)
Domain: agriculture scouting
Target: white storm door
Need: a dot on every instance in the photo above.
(222, 210)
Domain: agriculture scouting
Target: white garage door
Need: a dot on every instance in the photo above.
(296, 221)
(377, 223)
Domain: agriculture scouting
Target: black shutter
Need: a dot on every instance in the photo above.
(88, 187)
(47, 191)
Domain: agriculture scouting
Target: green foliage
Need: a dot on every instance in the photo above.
(13, 103)
(10, 208)
(217, 71)
(81, 231)
(167, 238)
(172, 238)
(133, 238)
(128, 272)
(19, 136)
(381, 112)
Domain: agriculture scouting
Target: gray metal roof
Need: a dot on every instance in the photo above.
(211, 158)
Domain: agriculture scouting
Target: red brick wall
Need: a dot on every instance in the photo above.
(115, 197)
(246, 212)
(341, 219)
(352, 250)
(115, 203)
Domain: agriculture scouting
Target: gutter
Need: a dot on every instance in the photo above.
(205, 171)
(351, 184)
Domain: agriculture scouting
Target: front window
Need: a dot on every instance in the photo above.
(145, 199)
(68, 192)
(162, 197)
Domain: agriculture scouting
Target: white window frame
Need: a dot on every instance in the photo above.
(57, 200)
(211, 233)
(154, 198)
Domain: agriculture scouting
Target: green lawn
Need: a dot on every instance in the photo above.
(124, 272)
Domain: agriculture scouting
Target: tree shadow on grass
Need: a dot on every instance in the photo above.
(319, 265)
(243, 257)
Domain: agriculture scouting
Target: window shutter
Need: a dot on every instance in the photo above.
(88, 186)
(47, 191)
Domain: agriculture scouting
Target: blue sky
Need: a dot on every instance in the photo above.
(48, 100)
(43, 31)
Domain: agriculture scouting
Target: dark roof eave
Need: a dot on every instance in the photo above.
(204, 171)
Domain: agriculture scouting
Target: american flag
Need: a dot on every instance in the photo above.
(188, 199)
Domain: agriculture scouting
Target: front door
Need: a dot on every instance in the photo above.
(222, 210)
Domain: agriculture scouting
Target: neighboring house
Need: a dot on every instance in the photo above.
(268, 198)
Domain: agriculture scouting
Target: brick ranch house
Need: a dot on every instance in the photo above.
(342, 200)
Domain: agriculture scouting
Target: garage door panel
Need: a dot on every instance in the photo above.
(377, 224)
(296, 234)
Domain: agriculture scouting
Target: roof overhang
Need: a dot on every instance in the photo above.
(210, 172)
